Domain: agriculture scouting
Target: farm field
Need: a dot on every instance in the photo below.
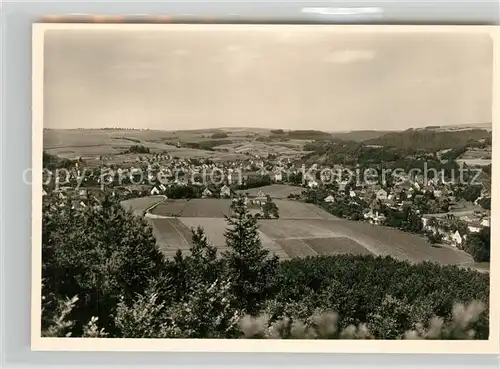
(263, 148)
(289, 238)
(298, 210)
(171, 235)
(217, 208)
(476, 157)
(92, 143)
(276, 191)
(205, 208)
(141, 204)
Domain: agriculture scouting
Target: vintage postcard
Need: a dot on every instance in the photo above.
(265, 188)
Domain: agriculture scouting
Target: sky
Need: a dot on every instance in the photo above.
(269, 77)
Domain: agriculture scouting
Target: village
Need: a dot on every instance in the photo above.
(437, 207)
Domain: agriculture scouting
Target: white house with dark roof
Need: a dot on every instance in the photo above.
(206, 193)
(225, 191)
(457, 239)
(329, 199)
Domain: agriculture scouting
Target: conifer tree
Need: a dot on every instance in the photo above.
(250, 266)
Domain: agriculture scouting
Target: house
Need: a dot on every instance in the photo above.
(155, 191)
(82, 193)
(457, 239)
(474, 227)
(278, 177)
(368, 213)
(379, 219)
(206, 193)
(329, 199)
(261, 194)
(381, 194)
(438, 193)
(225, 191)
(162, 187)
(485, 222)
(312, 183)
(352, 193)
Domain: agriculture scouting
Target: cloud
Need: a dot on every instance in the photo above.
(350, 56)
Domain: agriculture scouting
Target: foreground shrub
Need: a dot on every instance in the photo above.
(325, 326)
(125, 288)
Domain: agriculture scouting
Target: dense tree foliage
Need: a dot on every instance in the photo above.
(485, 203)
(218, 135)
(52, 162)
(255, 181)
(139, 149)
(248, 263)
(478, 245)
(270, 209)
(309, 135)
(208, 144)
(99, 253)
(468, 192)
(430, 139)
(104, 276)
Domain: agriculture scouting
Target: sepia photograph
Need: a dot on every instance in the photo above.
(306, 188)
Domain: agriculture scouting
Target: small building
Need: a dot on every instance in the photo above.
(225, 191)
(206, 193)
(162, 187)
(381, 194)
(474, 227)
(352, 193)
(379, 219)
(312, 183)
(438, 193)
(457, 239)
(278, 177)
(155, 191)
(485, 222)
(329, 199)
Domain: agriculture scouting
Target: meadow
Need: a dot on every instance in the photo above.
(302, 230)
(112, 143)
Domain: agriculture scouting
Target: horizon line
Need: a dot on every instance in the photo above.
(270, 129)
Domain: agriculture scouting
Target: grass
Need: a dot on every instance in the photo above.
(141, 204)
(92, 143)
(276, 191)
(295, 236)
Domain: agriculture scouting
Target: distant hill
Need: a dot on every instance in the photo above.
(461, 127)
(359, 136)
(430, 138)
